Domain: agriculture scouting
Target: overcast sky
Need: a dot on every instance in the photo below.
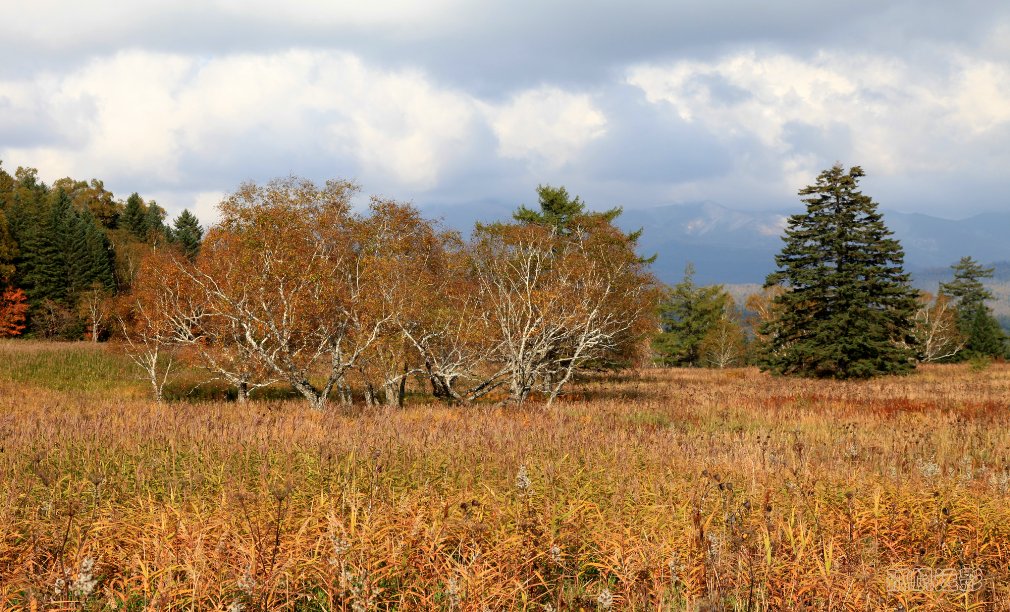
(628, 103)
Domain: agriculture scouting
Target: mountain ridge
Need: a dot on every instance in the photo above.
(730, 246)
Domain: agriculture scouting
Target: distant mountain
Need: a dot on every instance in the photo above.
(729, 246)
(738, 247)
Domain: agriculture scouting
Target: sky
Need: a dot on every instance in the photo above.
(633, 103)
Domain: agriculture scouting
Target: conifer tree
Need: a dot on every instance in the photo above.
(43, 267)
(560, 210)
(154, 221)
(134, 216)
(975, 320)
(8, 250)
(848, 305)
(688, 313)
(188, 233)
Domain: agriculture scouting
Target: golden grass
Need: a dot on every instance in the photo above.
(668, 489)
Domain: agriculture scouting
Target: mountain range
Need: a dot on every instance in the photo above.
(731, 247)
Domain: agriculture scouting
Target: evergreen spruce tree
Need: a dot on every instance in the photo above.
(154, 222)
(44, 266)
(975, 319)
(188, 233)
(848, 305)
(688, 313)
(559, 209)
(134, 217)
(102, 259)
(8, 251)
(89, 259)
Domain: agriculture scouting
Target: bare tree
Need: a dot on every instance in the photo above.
(96, 306)
(723, 346)
(935, 328)
(556, 302)
(147, 330)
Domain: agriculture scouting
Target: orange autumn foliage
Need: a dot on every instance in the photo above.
(13, 307)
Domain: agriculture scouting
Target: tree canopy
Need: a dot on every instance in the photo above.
(975, 321)
(847, 306)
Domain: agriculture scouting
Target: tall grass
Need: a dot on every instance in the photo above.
(662, 490)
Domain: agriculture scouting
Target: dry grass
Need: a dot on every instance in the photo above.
(666, 489)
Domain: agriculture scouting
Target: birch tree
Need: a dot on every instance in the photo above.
(147, 329)
(935, 328)
(287, 267)
(558, 302)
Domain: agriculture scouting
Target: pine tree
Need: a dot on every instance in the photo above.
(558, 209)
(90, 255)
(188, 233)
(134, 216)
(102, 260)
(688, 313)
(974, 318)
(8, 250)
(154, 222)
(43, 266)
(848, 305)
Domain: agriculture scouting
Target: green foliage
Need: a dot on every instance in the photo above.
(848, 305)
(8, 251)
(134, 216)
(985, 336)
(56, 243)
(42, 265)
(63, 252)
(187, 232)
(154, 221)
(967, 287)
(975, 319)
(560, 210)
(688, 314)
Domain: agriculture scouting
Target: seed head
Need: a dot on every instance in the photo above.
(522, 479)
(605, 599)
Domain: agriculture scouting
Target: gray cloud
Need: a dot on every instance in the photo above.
(450, 102)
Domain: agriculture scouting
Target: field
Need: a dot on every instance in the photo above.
(649, 490)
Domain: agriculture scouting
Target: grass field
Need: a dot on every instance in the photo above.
(655, 490)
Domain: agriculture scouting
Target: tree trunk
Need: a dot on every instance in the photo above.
(315, 399)
(402, 391)
(156, 388)
(391, 393)
(243, 392)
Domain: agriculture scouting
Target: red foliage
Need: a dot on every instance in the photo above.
(13, 306)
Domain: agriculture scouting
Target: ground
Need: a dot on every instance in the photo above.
(648, 490)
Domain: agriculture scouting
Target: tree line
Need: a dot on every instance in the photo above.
(66, 249)
(294, 286)
(839, 305)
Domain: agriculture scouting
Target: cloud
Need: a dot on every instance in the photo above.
(803, 114)
(546, 126)
(158, 122)
(148, 114)
(636, 103)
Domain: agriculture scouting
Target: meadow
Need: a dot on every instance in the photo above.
(644, 490)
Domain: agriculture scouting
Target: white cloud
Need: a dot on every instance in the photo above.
(546, 125)
(199, 125)
(898, 118)
(140, 114)
(205, 206)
